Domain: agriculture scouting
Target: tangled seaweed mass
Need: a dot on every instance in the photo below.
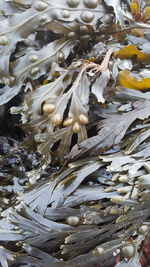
(75, 186)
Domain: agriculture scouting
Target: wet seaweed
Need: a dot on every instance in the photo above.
(74, 144)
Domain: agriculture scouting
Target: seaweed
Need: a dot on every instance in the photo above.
(74, 144)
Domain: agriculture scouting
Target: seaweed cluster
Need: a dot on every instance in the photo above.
(75, 187)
